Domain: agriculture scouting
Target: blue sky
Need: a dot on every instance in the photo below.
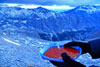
(54, 2)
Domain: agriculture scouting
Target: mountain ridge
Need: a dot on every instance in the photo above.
(49, 22)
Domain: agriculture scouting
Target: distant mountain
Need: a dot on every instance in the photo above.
(52, 25)
(41, 9)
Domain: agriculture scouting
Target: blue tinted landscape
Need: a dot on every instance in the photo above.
(25, 31)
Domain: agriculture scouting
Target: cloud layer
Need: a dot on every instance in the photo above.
(54, 2)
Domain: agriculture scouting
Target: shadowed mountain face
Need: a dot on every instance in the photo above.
(74, 24)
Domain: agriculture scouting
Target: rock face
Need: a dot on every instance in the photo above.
(74, 24)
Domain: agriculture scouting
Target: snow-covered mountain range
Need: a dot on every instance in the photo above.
(74, 24)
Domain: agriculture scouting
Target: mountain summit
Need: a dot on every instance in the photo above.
(42, 10)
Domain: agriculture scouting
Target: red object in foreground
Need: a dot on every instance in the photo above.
(55, 52)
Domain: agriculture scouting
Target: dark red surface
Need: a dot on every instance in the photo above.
(55, 52)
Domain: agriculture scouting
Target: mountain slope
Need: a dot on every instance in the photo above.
(51, 25)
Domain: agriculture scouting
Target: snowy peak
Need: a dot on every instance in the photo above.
(88, 8)
(41, 9)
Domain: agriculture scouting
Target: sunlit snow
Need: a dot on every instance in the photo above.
(11, 41)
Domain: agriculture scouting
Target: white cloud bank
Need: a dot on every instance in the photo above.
(58, 7)
(29, 6)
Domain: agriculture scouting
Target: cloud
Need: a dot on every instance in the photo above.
(77, 2)
(28, 6)
(54, 2)
(58, 7)
(35, 6)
